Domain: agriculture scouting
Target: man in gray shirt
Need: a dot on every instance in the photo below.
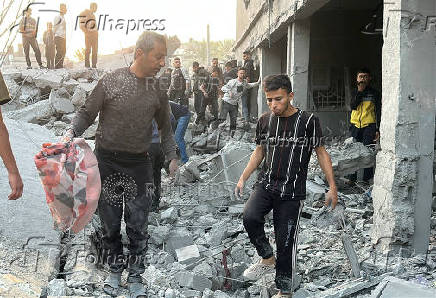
(28, 30)
(127, 100)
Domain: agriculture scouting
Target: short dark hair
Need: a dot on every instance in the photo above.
(169, 69)
(241, 68)
(363, 70)
(228, 64)
(195, 64)
(275, 82)
(214, 59)
(215, 69)
(147, 41)
(177, 58)
(246, 52)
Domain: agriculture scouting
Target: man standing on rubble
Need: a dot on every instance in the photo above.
(199, 76)
(29, 30)
(6, 154)
(88, 24)
(365, 116)
(250, 77)
(285, 137)
(127, 100)
(60, 33)
(179, 90)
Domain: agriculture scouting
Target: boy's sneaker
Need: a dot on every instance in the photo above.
(258, 270)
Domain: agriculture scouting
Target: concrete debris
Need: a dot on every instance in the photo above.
(197, 245)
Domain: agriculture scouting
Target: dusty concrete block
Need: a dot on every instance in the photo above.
(178, 238)
(314, 191)
(220, 294)
(170, 293)
(398, 288)
(190, 293)
(79, 97)
(60, 104)
(169, 215)
(49, 79)
(204, 269)
(57, 287)
(70, 85)
(33, 113)
(193, 281)
(29, 93)
(87, 87)
(158, 235)
(187, 254)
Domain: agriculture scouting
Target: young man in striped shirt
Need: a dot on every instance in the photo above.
(285, 138)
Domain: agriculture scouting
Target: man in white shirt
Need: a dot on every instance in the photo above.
(59, 28)
(233, 91)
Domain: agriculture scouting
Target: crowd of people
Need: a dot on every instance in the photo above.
(55, 38)
(137, 146)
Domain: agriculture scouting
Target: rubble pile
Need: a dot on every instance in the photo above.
(49, 97)
(198, 246)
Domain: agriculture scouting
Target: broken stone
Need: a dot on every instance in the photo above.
(158, 235)
(49, 79)
(190, 293)
(34, 113)
(188, 254)
(193, 281)
(60, 104)
(220, 294)
(178, 238)
(29, 94)
(204, 269)
(79, 97)
(170, 293)
(90, 132)
(70, 85)
(170, 215)
(87, 87)
(57, 287)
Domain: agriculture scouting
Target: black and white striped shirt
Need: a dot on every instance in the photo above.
(287, 143)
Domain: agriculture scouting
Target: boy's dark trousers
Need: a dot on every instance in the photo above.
(50, 56)
(212, 102)
(31, 42)
(286, 216)
(126, 179)
(365, 135)
(230, 109)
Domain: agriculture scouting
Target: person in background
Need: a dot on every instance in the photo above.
(157, 160)
(179, 88)
(210, 88)
(29, 30)
(88, 24)
(181, 115)
(198, 77)
(233, 91)
(250, 77)
(215, 64)
(365, 118)
(49, 42)
(59, 28)
(15, 182)
(230, 72)
(165, 79)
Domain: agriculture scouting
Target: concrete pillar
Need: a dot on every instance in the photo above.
(270, 63)
(298, 60)
(404, 175)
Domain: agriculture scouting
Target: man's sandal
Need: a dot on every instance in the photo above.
(137, 290)
(112, 283)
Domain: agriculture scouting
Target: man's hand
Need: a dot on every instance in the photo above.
(16, 185)
(173, 167)
(377, 136)
(205, 95)
(239, 190)
(331, 197)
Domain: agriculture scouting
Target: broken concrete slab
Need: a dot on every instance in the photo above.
(392, 287)
(70, 85)
(314, 191)
(60, 104)
(188, 254)
(87, 87)
(48, 79)
(79, 97)
(193, 281)
(57, 287)
(178, 238)
(159, 234)
(35, 113)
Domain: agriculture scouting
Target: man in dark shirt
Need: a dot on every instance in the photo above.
(210, 89)
(198, 78)
(285, 138)
(179, 87)
(230, 73)
(6, 154)
(48, 39)
(215, 64)
(28, 30)
(128, 99)
(249, 75)
(365, 116)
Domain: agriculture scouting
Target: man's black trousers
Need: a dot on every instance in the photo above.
(365, 135)
(127, 180)
(286, 216)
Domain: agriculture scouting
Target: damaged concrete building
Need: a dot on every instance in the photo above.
(320, 44)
